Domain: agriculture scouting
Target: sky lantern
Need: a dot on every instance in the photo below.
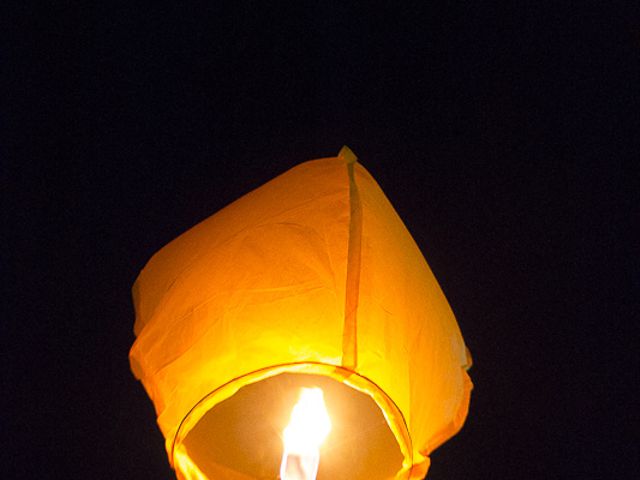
(299, 334)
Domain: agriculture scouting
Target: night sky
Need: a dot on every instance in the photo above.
(498, 131)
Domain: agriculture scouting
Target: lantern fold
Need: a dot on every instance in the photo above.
(310, 279)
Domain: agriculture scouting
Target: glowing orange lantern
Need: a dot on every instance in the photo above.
(309, 282)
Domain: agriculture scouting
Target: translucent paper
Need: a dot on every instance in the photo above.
(311, 276)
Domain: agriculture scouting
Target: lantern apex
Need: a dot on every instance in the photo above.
(346, 154)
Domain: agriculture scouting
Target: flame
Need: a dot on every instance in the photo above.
(307, 429)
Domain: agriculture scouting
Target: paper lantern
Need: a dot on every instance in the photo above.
(311, 280)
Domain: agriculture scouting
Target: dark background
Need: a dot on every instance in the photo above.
(499, 132)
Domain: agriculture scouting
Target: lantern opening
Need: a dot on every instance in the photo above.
(309, 426)
(245, 436)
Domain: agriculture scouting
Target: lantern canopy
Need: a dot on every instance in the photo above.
(311, 280)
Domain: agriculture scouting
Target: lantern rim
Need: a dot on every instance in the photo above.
(392, 414)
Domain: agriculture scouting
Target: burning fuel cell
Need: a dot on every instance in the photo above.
(309, 426)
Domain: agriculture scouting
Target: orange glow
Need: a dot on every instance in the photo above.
(308, 428)
(186, 467)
